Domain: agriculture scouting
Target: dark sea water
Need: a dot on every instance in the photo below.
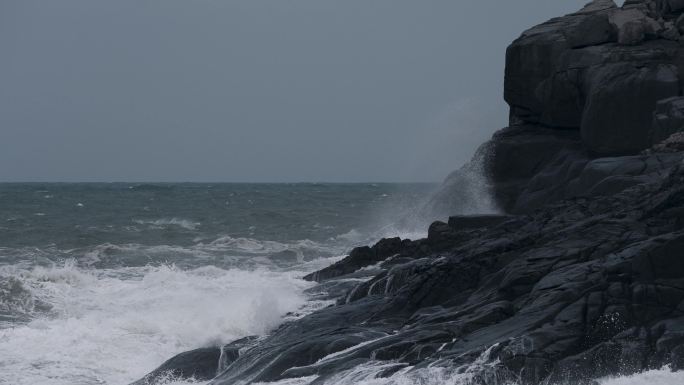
(101, 283)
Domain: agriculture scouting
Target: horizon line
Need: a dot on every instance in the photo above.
(205, 182)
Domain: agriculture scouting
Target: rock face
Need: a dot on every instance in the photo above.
(578, 290)
(604, 81)
(600, 71)
(583, 276)
(631, 93)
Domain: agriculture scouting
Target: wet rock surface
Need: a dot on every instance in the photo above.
(200, 364)
(579, 282)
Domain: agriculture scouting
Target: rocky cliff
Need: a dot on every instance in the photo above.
(584, 274)
(583, 89)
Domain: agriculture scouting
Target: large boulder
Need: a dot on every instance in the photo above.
(619, 110)
(600, 70)
(533, 58)
(585, 86)
(522, 152)
(633, 26)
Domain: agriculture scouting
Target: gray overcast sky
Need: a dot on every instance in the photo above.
(252, 90)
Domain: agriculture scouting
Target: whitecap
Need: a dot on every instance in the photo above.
(166, 222)
(113, 326)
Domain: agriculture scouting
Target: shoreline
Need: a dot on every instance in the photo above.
(580, 278)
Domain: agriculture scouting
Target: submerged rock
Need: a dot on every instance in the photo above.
(200, 364)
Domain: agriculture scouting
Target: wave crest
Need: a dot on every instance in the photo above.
(166, 222)
(143, 315)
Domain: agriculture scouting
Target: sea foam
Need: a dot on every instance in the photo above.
(368, 374)
(113, 326)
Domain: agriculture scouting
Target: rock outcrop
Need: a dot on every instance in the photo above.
(582, 277)
(580, 289)
(604, 81)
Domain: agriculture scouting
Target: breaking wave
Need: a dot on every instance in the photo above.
(111, 326)
(166, 222)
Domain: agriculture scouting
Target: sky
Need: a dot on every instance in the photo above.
(253, 90)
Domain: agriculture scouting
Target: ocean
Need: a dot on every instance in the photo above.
(101, 283)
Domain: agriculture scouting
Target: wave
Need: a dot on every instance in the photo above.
(225, 252)
(166, 222)
(112, 326)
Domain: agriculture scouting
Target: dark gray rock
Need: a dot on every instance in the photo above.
(606, 176)
(358, 258)
(670, 6)
(201, 364)
(621, 97)
(470, 222)
(634, 25)
(679, 23)
(535, 56)
(631, 93)
(584, 281)
(668, 119)
(609, 91)
(510, 167)
(675, 143)
(577, 290)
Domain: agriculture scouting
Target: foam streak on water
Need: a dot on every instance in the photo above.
(368, 375)
(482, 371)
(113, 326)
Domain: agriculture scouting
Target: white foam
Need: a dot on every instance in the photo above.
(165, 222)
(474, 374)
(352, 235)
(113, 326)
(252, 246)
(662, 376)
